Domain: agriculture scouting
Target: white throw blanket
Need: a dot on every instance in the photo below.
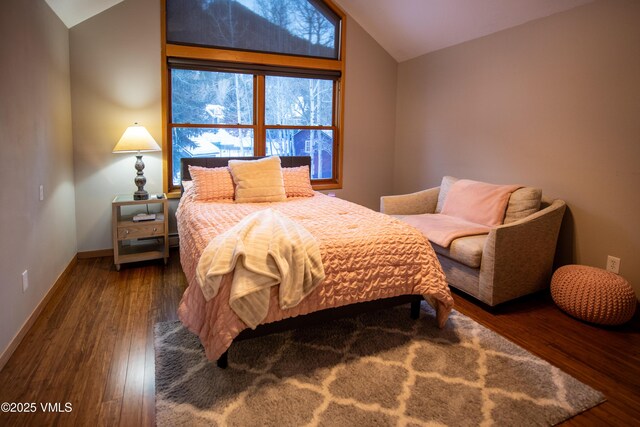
(264, 249)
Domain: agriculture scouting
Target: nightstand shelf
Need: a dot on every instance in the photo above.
(135, 241)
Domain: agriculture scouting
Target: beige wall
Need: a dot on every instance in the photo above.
(35, 148)
(115, 74)
(115, 78)
(554, 103)
(370, 107)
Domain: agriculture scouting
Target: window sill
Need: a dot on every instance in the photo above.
(327, 186)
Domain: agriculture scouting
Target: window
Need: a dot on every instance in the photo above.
(211, 115)
(293, 27)
(299, 121)
(252, 78)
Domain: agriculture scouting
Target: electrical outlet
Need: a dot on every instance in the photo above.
(25, 280)
(613, 264)
(41, 192)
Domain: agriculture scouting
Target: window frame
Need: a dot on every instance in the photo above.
(240, 60)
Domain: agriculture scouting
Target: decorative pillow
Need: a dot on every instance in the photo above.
(478, 202)
(297, 182)
(258, 180)
(447, 182)
(188, 192)
(211, 183)
(187, 186)
(522, 203)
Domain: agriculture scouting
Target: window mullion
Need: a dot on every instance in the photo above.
(209, 126)
(260, 144)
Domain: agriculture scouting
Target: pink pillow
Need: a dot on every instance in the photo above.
(478, 202)
(296, 182)
(212, 183)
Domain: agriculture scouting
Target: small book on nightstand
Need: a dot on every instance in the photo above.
(144, 217)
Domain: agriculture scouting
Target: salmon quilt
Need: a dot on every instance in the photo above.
(365, 255)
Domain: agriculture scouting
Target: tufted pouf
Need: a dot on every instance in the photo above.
(593, 294)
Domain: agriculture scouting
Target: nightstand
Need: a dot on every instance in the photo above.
(139, 240)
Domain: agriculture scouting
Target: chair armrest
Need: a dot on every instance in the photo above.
(518, 257)
(410, 204)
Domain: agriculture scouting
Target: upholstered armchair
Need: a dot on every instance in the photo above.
(512, 260)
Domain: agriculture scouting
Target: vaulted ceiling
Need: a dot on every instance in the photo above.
(73, 12)
(410, 28)
(404, 28)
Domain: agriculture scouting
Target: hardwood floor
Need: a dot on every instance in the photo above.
(93, 347)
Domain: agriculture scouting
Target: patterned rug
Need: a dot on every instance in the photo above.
(380, 369)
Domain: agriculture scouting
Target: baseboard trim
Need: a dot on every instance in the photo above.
(95, 254)
(173, 243)
(17, 339)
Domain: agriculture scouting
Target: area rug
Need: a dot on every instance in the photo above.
(381, 369)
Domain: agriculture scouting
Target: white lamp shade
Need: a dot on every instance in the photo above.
(136, 138)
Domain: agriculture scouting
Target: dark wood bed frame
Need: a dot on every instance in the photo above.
(310, 319)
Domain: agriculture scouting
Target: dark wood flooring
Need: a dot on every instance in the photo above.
(92, 347)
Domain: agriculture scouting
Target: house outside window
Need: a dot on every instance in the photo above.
(253, 78)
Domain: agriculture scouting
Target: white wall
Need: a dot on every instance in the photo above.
(115, 81)
(35, 148)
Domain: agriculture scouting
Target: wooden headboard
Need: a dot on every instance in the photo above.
(216, 162)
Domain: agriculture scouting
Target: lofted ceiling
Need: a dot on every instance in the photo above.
(73, 12)
(404, 28)
(410, 28)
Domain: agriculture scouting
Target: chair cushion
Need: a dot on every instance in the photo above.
(522, 203)
(447, 182)
(478, 202)
(444, 229)
(465, 250)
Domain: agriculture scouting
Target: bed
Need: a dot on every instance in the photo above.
(370, 260)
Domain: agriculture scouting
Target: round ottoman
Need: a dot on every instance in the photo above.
(593, 294)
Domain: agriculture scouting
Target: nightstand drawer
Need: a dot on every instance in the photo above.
(137, 231)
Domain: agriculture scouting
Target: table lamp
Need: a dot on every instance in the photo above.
(137, 139)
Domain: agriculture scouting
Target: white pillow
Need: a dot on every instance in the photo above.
(258, 180)
(447, 182)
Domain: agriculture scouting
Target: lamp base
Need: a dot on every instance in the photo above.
(141, 195)
(140, 180)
